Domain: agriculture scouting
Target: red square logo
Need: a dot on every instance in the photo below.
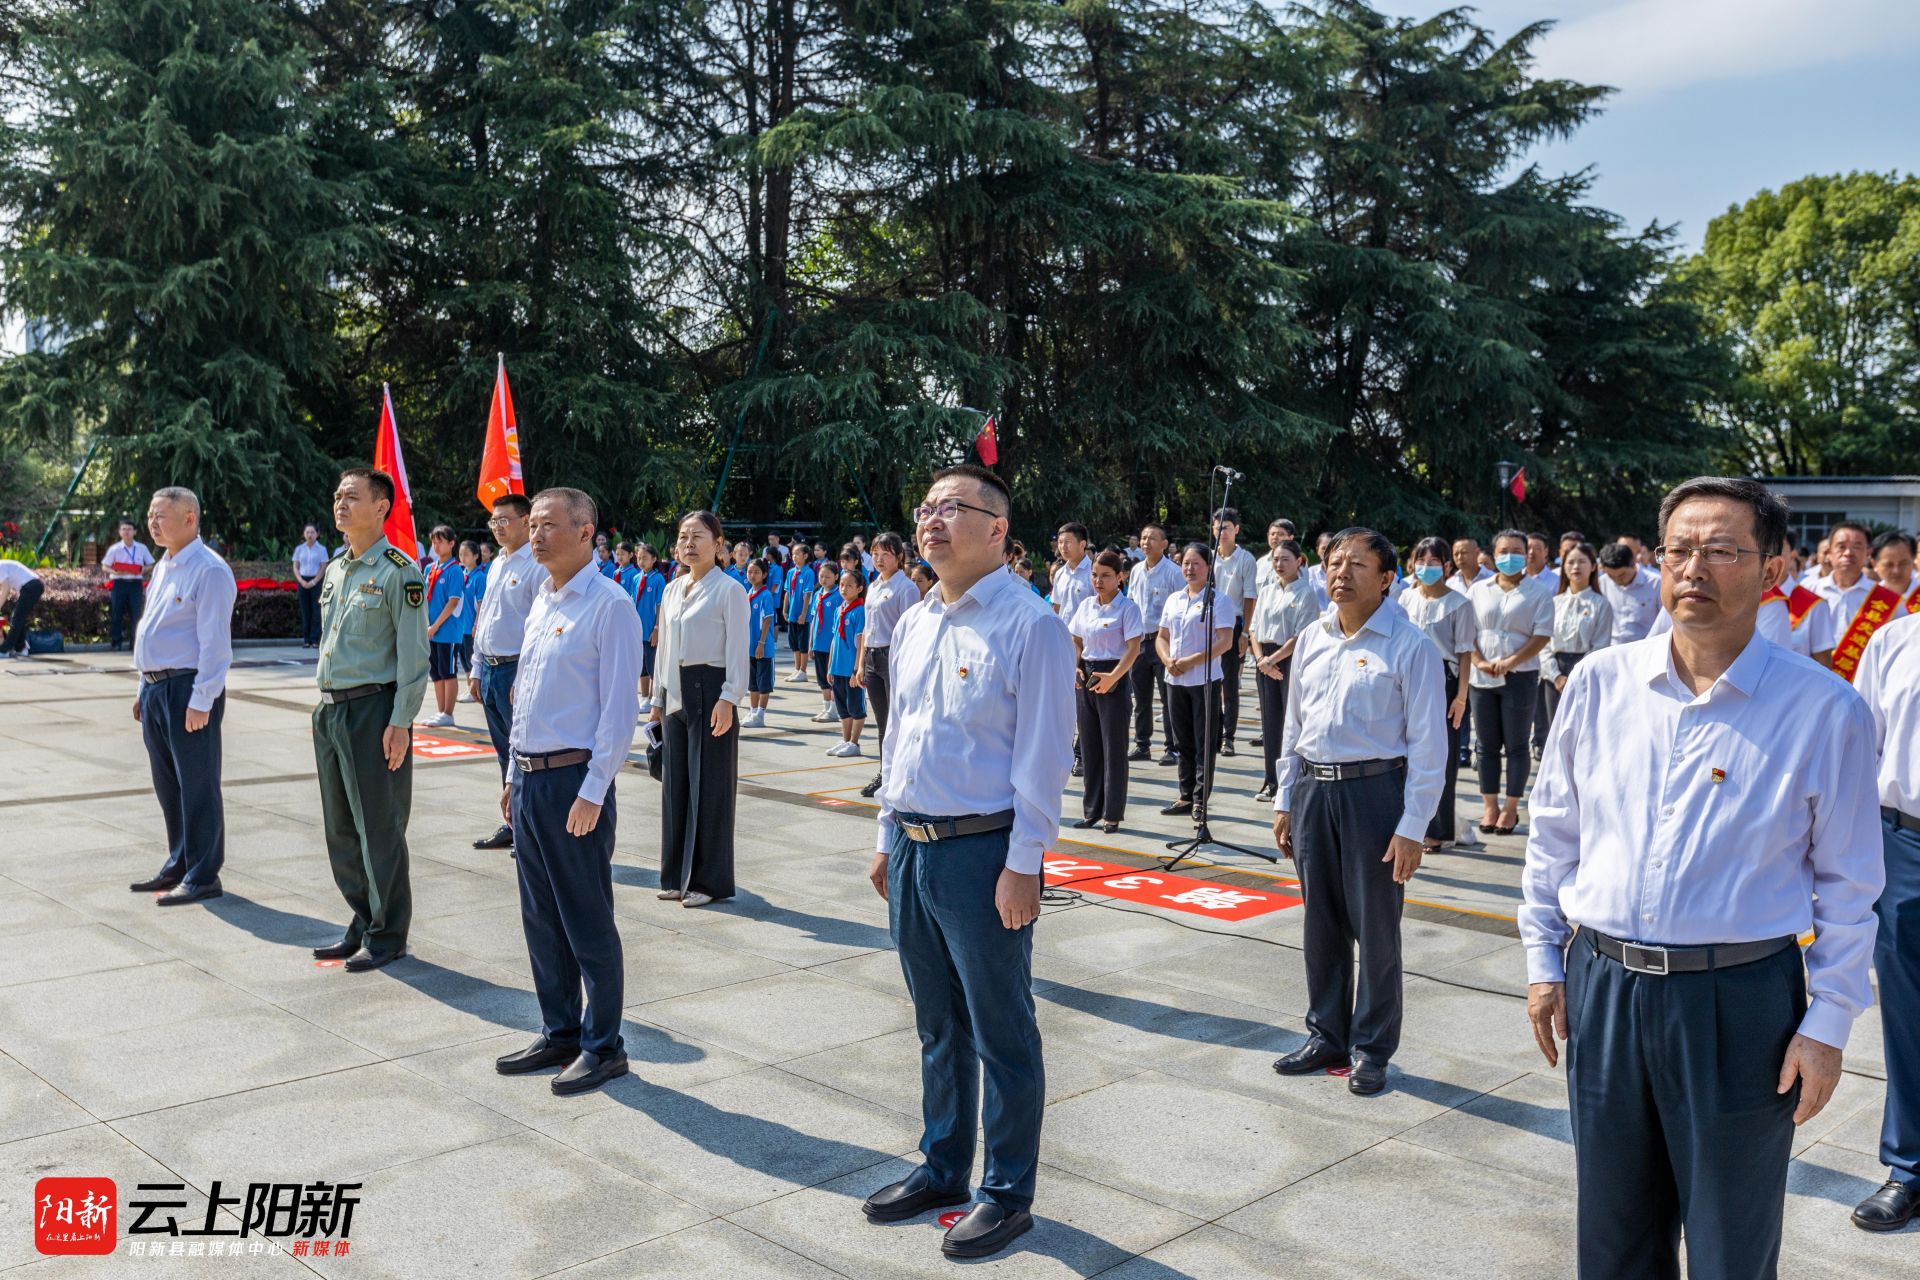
(74, 1215)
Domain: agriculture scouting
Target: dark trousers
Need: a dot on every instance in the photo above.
(1561, 664)
(1187, 707)
(1273, 717)
(1103, 744)
(971, 981)
(1230, 664)
(1340, 834)
(124, 606)
(1444, 819)
(1502, 718)
(1150, 674)
(1676, 1125)
(496, 703)
(698, 775)
(23, 606)
(1896, 958)
(879, 692)
(186, 778)
(364, 808)
(566, 910)
(308, 598)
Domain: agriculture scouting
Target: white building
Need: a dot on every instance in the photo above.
(1820, 502)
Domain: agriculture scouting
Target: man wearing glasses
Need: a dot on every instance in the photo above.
(970, 780)
(512, 582)
(1698, 790)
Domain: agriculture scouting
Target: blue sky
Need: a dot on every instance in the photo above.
(1719, 99)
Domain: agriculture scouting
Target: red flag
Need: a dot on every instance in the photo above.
(500, 463)
(1519, 485)
(986, 444)
(386, 457)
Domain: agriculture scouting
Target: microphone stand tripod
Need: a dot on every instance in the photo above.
(1209, 746)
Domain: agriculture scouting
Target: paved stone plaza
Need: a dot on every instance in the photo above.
(775, 1078)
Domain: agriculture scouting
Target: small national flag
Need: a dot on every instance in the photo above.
(1519, 485)
(386, 457)
(986, 444)
(500, 459)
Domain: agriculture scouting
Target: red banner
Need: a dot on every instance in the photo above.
(1874, 610)
(387, 458)
(500, 457)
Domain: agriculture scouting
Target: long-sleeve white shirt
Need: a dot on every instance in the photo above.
(188, 621)
(982, 715)
(1741, 814)
(579, 675)
(1374, 695)
(702, 624)
(1888, 681)
(887, 599)
(499, 625)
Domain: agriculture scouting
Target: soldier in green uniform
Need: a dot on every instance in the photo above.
(373, 674)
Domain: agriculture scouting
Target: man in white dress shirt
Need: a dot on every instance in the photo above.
(1073, 580)
(498, 628)
(1149, 583)
(1846, 587)
(1888, 681)
(1633, 596)
(1359, 776)
(309, 567)
(576, 696)
(126, 563)
(182, 649)
(1705, 800)
(1467, 567)
(983, 674)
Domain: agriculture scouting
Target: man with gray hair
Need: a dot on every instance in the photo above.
(182, 648)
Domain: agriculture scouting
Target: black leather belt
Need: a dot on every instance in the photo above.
(933, 830)
(1352, 769)
(358, 691)
(1899, 819)
(551, 759)
(167, 673)
(1664, 960)
(492, 661)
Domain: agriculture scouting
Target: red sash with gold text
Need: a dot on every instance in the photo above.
(1799, 604)
(1880, 604)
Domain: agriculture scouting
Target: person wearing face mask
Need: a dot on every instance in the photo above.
(1447, 618)
(1582, 622)
(1286, 604)
(1513, 613)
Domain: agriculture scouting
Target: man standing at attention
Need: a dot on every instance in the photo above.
(372, 674)
(498, 631)
(982, 670)
(1706, 799)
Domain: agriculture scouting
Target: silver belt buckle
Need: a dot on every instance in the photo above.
(1652, 960)
(918, 832)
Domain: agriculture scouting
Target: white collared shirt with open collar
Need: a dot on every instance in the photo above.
(1888, 681)
(983, 714)
(188, 622)
(499, 628)
(1670, 819)
(579, 675)
(1374, 695)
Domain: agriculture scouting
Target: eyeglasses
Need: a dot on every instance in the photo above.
(499, 522)
(1718, 554)
(948, 510)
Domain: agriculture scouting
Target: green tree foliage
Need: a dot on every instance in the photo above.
(1817, 289)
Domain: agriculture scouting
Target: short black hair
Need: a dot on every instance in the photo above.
(517, 503)
(1376, 542)
(1888, 538)
(379, 481)
(1854, 525)
(1616, 555)
(1769, 509)
(1077, 529)
(1283, 524)
(1572, 535)
(1227, 515)
(981, 476)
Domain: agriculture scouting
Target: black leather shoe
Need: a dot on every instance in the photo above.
(1315, 1055)
(895, 1203)
(987, 1229)
(1256, 743)
(1171, 757)
(1077, 770)
(363, 960)
(1367, 1076)
(183, 893)
(501, 839)
(540, 1054)
(872, 788)
(1087, 822)
(1139, 753)
(336, 950)
(1888, 1209)
(1226, 748)
(590, 1071)
(1178, 806)
(155, 885)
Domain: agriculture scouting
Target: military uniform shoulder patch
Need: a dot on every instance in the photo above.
(415, 593)
(399, 559)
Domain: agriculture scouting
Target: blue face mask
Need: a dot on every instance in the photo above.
(1510, 564)
(1427, 573)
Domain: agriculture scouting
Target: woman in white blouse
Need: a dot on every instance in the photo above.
(1286, 602)
(1191, 658)
(699, 677)
(1582, 622)
(1447, 618)
(1513, 617)
(1106, 629)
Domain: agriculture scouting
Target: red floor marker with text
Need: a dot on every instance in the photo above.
(446, 748)
(1164, 889)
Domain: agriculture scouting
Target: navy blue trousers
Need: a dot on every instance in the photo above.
(1340, 836)
(496, 701)
(971, 979)
(1896, 958)
(124, 605)
(186, 778)
(1676, 1124)
(566, 911)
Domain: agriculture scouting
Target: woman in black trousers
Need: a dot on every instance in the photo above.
(700, 676)
(1191, 657)
(1106, 629)
(892, 593)
(1513, 617)
(1448, 619)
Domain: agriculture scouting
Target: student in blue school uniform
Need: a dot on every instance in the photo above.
(472, 588)
(850, 562)
(843, 658)
(800, 582)
(650, 586)
(446, 582)
(763, 609)
(776, 579)
(736, 568)
(625, 571)
(823, 611)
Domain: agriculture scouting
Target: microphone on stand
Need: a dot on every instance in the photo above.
(1230, 474)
